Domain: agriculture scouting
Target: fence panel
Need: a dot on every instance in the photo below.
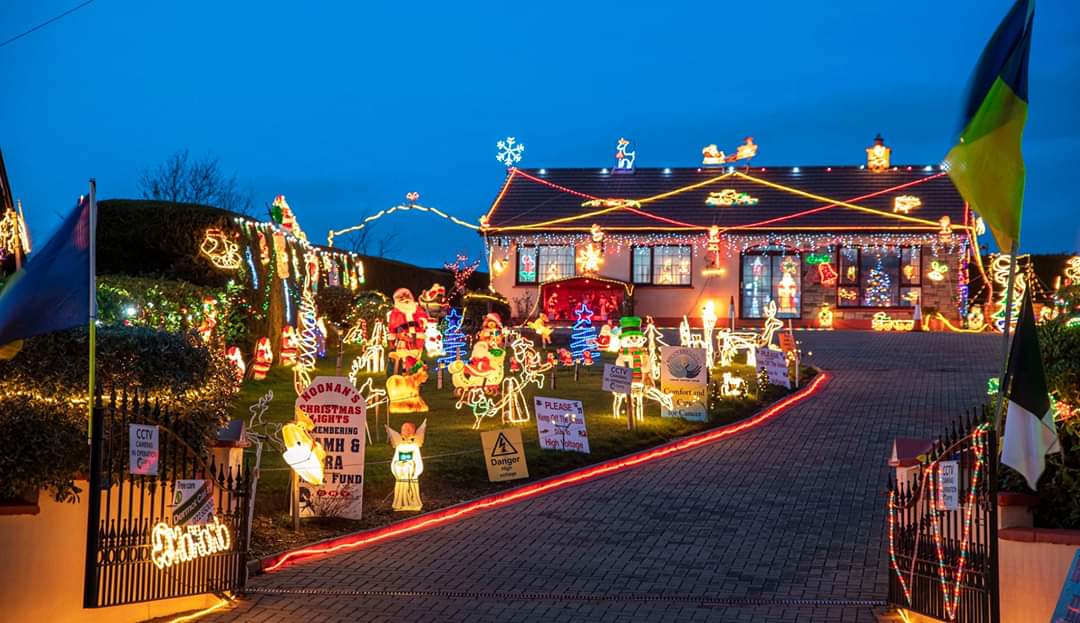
(943, 528)
(135, 550)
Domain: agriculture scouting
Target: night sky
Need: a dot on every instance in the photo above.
(345, 108)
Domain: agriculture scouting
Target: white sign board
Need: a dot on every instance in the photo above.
(561, 424)
(192, 502)
(616, 379)
(685, 375)
(949, 485)
(775, 364)
(142, 449)
(340, 416)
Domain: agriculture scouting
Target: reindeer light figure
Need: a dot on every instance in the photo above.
(731, 342)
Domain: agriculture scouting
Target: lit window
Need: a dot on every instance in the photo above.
(555, 262)
(770, 274)
(526, 265)
(873, 277)
(661, 265)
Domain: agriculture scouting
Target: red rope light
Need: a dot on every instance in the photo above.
(736, 227)
(555, 186)
(453, 513)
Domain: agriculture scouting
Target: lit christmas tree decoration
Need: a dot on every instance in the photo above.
(583, 336)
(453, 342)
(878, 285)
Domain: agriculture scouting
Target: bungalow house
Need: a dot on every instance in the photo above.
(850, 241)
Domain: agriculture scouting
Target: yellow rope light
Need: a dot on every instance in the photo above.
(564, 219)
(852, 206)
(685, 188)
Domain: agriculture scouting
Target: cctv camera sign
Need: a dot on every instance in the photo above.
(143, 449)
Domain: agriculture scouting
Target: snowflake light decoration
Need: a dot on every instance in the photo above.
(509, 151)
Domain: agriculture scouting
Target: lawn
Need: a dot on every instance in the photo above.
(454, 468)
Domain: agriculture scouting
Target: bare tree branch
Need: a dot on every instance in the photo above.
(182, 180)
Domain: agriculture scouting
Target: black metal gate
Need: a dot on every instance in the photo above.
(942, 527)
(134, 553)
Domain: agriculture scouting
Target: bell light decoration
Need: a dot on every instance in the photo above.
(407, 465)
(302, 453)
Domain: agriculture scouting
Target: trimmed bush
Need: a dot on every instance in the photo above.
(49, 376)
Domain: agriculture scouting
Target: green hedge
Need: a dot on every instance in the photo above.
(1059, 486)
(195, 384)
(153, 238)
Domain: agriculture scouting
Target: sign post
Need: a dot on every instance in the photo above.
(684, 374)
(339, 413)
(143, 449)
(775, 364)
(504, 454)
(561, 424)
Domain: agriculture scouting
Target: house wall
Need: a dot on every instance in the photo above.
(667, 304)
(1032, 574)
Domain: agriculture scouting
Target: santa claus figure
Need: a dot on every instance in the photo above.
(288, 345)
(407, 323)
(264, 356)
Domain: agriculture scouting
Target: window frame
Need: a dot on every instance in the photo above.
(900, 286)
(535, 250)
(652, 264)
(757, 252)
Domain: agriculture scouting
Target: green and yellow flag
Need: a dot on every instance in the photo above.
(986, 164)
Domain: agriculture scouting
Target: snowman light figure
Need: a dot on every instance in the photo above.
(634, 355)
(407, 465)
(433, 341)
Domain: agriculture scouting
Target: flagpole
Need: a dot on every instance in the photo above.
(1000, 410)
(93, 299)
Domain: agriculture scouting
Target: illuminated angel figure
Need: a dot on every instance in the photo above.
(407, 465)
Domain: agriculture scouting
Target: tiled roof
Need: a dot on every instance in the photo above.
(531, 198)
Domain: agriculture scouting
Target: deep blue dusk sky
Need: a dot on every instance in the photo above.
(345, 107)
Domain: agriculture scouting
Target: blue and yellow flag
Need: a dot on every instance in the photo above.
(986, 164)
(52, 292)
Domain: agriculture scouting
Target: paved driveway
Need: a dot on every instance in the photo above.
(781, 523)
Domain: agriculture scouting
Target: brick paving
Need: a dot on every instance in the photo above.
(735, 531)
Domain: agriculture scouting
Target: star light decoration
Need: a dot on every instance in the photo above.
(509, 151)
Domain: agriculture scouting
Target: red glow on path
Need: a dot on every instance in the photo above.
(447, 515)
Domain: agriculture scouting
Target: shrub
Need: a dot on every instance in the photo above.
(1059, 486)
(45, 449)
(194, 383)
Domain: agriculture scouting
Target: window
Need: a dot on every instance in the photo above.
(767, 275)
(537, 264)
(526, 264)
(641, 265)
(874, 277)
(555, 262)
(661, 265)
